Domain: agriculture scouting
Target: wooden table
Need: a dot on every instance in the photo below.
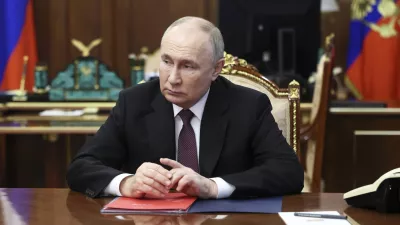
(61, 206)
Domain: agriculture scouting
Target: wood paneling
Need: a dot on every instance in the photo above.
(375, 154)
(346, 155)
(124, 26)
(107, 21)
(121, 45)
(127, 25)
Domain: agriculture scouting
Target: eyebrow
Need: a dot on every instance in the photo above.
(189, 61)
(183, 60)
(165, 56)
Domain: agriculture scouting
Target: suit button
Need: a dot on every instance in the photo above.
(89, 192)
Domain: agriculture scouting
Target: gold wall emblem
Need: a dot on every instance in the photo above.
(85, 49)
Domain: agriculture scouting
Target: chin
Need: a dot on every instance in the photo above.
(174, 99)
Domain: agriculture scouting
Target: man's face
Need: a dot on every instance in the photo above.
(187, 67)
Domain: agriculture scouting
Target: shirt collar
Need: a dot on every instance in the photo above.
(197, 108)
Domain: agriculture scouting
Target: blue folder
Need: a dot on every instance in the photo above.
(255, 205)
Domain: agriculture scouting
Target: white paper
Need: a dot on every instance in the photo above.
(57, 112)
(329, 6)
(290, 219)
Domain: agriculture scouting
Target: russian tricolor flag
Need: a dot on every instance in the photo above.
(17, 39)
(374, 50)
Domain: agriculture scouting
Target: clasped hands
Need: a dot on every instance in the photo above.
(151, 178)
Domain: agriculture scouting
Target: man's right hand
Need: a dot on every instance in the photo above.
(150, 178)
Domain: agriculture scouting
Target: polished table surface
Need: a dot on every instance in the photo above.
(62, 206)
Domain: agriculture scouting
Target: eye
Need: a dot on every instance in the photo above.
(187, 66)
(166, 61)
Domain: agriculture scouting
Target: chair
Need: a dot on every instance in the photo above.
(285, 102)
(314, 133)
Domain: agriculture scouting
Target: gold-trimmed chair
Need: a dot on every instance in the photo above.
(314, 133)
(285, 102)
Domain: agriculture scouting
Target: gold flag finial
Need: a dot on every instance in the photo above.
(23, 77)
(20, 94)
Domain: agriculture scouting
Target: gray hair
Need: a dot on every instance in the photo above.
(206, 26)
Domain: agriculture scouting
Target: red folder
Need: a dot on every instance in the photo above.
(171, 203)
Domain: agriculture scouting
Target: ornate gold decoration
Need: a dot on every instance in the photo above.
(229, 63)
(233, 67)
(328, 39)
(232, 61)
(387, 8)
(329, 46)
(264, 82)
(86, 70)
(85, 49)
(294, 126)
(239, 67)
(361, 8)
(41, 68)
(294, 97)
(294, 90)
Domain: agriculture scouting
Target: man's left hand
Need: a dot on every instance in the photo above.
(189, 182)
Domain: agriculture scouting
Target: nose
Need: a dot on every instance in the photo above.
(174, 77)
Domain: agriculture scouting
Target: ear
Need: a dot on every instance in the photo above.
(218, 68)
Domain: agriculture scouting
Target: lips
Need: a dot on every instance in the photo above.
(173, 92)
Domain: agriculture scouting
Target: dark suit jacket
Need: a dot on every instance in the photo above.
(239, 142)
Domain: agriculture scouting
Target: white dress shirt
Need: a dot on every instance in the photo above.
(224, 189)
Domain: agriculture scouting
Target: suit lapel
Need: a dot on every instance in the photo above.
(213, 128)
(161, 128)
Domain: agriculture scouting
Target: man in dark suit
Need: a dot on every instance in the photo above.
(190, 130)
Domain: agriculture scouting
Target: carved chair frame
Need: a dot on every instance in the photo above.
(239, 67)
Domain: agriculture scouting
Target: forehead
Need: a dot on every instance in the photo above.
(186, 43)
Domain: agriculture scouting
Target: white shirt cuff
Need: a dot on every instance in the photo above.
(224, 188)
(113, 187)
